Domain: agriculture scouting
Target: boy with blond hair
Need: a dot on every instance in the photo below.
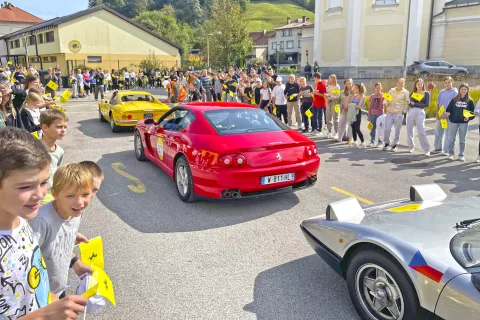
(24, 173)
(57, 223)
(54, 125)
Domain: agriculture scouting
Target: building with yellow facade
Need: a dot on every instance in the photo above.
(96, 37)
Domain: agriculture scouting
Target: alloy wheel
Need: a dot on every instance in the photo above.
(182, 179)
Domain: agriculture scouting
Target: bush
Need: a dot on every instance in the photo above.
(287, 70)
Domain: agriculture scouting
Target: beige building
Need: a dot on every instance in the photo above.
(96, 37)
(260, 45)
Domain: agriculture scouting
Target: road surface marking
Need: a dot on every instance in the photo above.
(352, 195)
(139, 187)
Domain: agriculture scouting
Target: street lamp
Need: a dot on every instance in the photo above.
(208, 47)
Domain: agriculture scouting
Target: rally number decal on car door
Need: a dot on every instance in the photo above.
(160, 148)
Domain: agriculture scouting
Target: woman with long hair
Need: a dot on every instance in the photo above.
(343, 127)
(358, 100)
(375, 111)
(332, 100)
(458, 120)
(419, 100)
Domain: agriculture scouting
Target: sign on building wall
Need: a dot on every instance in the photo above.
(74, 46)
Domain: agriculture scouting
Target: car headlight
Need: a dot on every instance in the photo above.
(465, 247)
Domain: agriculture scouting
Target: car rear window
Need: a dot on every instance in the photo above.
(137, 97)
(227, 121)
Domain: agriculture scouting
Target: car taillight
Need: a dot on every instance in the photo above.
(129, 117)
(311, 151)
(232, 160)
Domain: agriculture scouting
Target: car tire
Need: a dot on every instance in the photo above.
(461, 76)
(102, 119)
(184, 180)
(372, 272)
(424, 75)
(138, 145)
(113, 126)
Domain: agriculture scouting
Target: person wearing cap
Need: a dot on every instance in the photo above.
(279, 101)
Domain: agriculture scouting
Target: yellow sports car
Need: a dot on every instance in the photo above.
(128, 107)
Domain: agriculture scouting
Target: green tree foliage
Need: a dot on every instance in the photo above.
(233, 43)
(167, 26)
(151, 63)
(189, 11)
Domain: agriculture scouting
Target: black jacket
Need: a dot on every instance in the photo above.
(291, 89)
(455, 108)
(27, 120)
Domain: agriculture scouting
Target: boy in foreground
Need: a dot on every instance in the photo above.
(54, 125)
(57, 223)
(24, 174)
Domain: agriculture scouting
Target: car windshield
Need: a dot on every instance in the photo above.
(243, 120)
(137, 97)
(465, 247)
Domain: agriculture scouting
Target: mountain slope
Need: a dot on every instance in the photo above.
(266, 15)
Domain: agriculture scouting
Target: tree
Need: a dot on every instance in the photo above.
(136, 7)
(166, 26)
(94, 3)
(189, 11)
(168, 10)
(150, 63)
(233, 43)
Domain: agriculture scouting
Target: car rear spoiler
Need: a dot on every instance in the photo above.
(350, 210)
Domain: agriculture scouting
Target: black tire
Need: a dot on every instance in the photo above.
(461, 76)
(188, 195)
(113, 126)
(424, 75)
(102, 119)
(138, 145)
(358, 268)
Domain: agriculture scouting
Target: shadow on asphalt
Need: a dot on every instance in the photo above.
(159, 210)
(302, 289)
(93, 128)
(461, 176)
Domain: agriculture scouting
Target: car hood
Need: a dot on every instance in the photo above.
(429, 228)
(144, 105)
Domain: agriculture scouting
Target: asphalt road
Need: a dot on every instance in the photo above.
(237, 259)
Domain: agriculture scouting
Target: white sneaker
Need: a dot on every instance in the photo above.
(461, 159)
(427, 153)
(302, 126)
(318, 134)
(335, 136)
(309, 130)
(478, 159)
(361, 145)
(329, 136)
(372, 145)
(446, 154)
(450, 157)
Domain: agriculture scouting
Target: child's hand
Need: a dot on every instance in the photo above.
(81, 268)
(80, 238)
(64, 309)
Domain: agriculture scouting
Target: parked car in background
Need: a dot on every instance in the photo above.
(429, 68)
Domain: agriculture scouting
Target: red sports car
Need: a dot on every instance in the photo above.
(227, 150)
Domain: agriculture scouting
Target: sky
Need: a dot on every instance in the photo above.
(49, 9)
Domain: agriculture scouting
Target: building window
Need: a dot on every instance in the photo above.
(11, 44)
(290, 32)
(385, 2)
(34, 59)
(16, 43)
(45, 59)
(299, 44)
(334, 4)
(49, 36)
(53, 59)
(274, 46)
(40, 38)
(94, 59)
(31, 40)
(284, 33)
(380, 5)
(290, 44)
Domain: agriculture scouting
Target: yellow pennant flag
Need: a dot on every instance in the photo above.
(65, 96)
(387, 97)
(252, 101)
(35, 134)
(225, 86)
(467, 114)
(336, 91)
(52, 85)
(100, 285)
(275, 111)
(337, 108)
(120, 85)
(309, 113)
(293, 96)
(444, 123)
(234, 84)
(230, 93)
(417, 96)
(47, 95)
(370, 126)
(441, 111)
(91, 252)
(10, 62)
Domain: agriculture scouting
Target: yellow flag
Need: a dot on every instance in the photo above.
(234, 84)
(417, 96)
(441, 111)
(101, 285)
(91, 252)
(252, 101)
(370, 126)
(52, 85)
(336, 91)
(337, 108)
(387, 97)
(225, 86)
(65, 96)
(444, 123)
(230, 93)
(293, 96)
(10, 62)
(309, 113)
(467, 114)
(275, 111)
(175, 104)
(35, 134)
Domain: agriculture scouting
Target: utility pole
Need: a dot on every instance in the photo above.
(278, 64)
(406, 40)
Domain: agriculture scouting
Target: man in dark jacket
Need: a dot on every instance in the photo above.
(291, 92)
(308, 71)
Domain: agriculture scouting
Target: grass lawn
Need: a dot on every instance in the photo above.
(263, 15)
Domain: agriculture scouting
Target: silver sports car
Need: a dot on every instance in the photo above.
(409, 259)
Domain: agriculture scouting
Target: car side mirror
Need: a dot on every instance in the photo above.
(476, 280)
(149, 121)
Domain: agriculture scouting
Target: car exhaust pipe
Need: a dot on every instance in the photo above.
(227, 194)
(235, 194)
(312, 179)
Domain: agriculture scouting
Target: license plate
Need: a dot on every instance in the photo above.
(278, 178)
(148, 115)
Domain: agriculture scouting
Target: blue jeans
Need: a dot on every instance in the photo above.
(317, 118)
(462, 129)
(440, 143)
(373, 120)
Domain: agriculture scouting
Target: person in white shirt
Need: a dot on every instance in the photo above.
(126, 79)
(279, 100)
(132, 79)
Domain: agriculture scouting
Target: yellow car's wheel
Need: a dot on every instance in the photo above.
(113, 126)
(100, 115)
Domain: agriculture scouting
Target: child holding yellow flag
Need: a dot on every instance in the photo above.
(419, 100)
